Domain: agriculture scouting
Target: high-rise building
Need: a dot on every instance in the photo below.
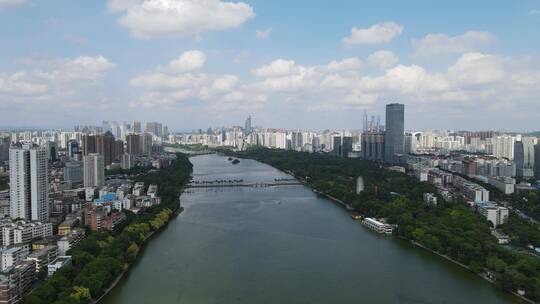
(395, 128)
(128, 161)
(537, 160)
(73, 149)
(407, 148)
(524, 156)
(337, 148)
(503, 146)
(105, 147)
(29, 182)
(93, 170)
(247, 126)
(146, 143)
(346, 146)
(137, 127)
(154, 128)
(133, 144)
(5, 143)
(73, 172)
(373, 145)
(89, 144)
(118, 150)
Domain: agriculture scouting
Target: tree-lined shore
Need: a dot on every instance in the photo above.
(103, 256)
(451, 229)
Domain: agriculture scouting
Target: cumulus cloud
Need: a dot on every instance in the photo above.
(10, 4)
(437, 44)
(179, 18)
(263, 34)
(178, 82)
(188, 61)
(475, 79)
(64, 82)
(383, 59)
(375, 34)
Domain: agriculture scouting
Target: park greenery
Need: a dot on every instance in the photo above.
(103, 256)
(129, 172)
(449, 228)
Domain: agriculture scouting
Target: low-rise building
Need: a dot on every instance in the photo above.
(505, 184)
(495, 214)
(44, 256)
(430, 198)
(69, 241)
(16, 282)
(17, 232)
(378, 226)
(59, 263)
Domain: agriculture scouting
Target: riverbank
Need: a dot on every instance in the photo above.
(449, 229)
(103, 257)
(145, 242)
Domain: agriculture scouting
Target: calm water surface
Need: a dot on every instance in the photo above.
(284, 245)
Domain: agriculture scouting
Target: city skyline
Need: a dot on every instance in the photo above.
(84, 62)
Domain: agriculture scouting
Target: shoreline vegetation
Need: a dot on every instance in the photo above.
(102, 258)
(449, 230)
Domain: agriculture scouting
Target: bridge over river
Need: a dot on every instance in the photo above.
(241, 183)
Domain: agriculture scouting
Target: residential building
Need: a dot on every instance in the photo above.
(94, 170)
(29, 182)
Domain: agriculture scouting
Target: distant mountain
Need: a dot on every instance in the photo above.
(537, 134)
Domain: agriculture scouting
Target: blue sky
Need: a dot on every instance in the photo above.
(314, 64)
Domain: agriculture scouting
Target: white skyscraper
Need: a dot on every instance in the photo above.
(29, 182)
(503, 146)
(94, 170)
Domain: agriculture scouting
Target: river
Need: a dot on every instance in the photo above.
(284, 245)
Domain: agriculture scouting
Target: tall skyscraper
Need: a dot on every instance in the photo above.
(29, 182)
(73, 149)
(133, 144)
(524, 156)
(537, 160)
(5, 143)
(146, 143)
(337, 148)
(93, 170)
(247, 126)
(89, 144)
(503, 146)
(373, 145)
(105, 147)
(395, 128)
(346, 146)
(154, 128)
(137, 127)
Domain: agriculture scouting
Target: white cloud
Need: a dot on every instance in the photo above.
(376, 34)
(383, 59)
(9, 4)
(179, 18)
(347, 64)
(263, 34)
(188, 61)
(474, 69)
(279, 67)
(64, 83)
(534, 12)
(436, 44)
(177, 82)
